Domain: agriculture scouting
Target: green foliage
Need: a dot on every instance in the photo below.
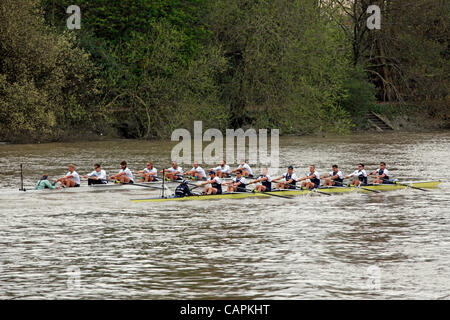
(47, 84)
(286, 69)
(145, 68)
(360, 95)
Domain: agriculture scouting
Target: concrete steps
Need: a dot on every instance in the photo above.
(376, 121)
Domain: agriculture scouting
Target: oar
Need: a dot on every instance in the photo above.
(145, 186)
(370, 190)
(410, 186)
(313, 190)
(276, 195)
(375, 191)
(269, 194)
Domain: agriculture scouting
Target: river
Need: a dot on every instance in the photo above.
(99, 245)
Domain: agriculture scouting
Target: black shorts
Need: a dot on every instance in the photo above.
(95, 181)
(338, 184)
(241, 189)
(76, 185)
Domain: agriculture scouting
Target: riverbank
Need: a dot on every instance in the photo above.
(413, 118)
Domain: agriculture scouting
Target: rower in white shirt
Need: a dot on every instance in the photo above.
(223, 170)
(314, 178)
(265, 180)
(381, 175)
(149, 173)
(237, 184)
(124, 176)
(290, 179)
(334, 178)
(214, 181)
(361, 176)
(71, 179)
(98, 176)
(196, 172)
(246, 170)
(175, 172)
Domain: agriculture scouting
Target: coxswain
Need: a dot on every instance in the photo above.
(43, 183)
(183, 190)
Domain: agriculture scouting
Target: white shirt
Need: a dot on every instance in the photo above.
(241, 180)
(100, 175)
(154, 171)
(199, 170)
(293, 176)
(315, 174)
(358, 173)
(218, 180)
(75, 177)
(269, 179)
(339, 174)
(386, 172)
(224, 169)
(246, 167)
(179, 169)
(127, 173)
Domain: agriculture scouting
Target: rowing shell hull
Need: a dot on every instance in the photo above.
(237, 195)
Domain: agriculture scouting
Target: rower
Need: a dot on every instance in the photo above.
(214, 181)
(175, 172)
(125, 176)
(223, 170)
(197, 172)
(246, 170)
(183, 190)
(43, 183)
(237, 184)
(265, 180)
(360, 174)
(98, 176)
(314, 178)
(381, 175)
(334, 178)
(290, 179)
(149, 173)
(71, 179)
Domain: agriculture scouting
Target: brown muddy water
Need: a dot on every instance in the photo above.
(98, 245)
